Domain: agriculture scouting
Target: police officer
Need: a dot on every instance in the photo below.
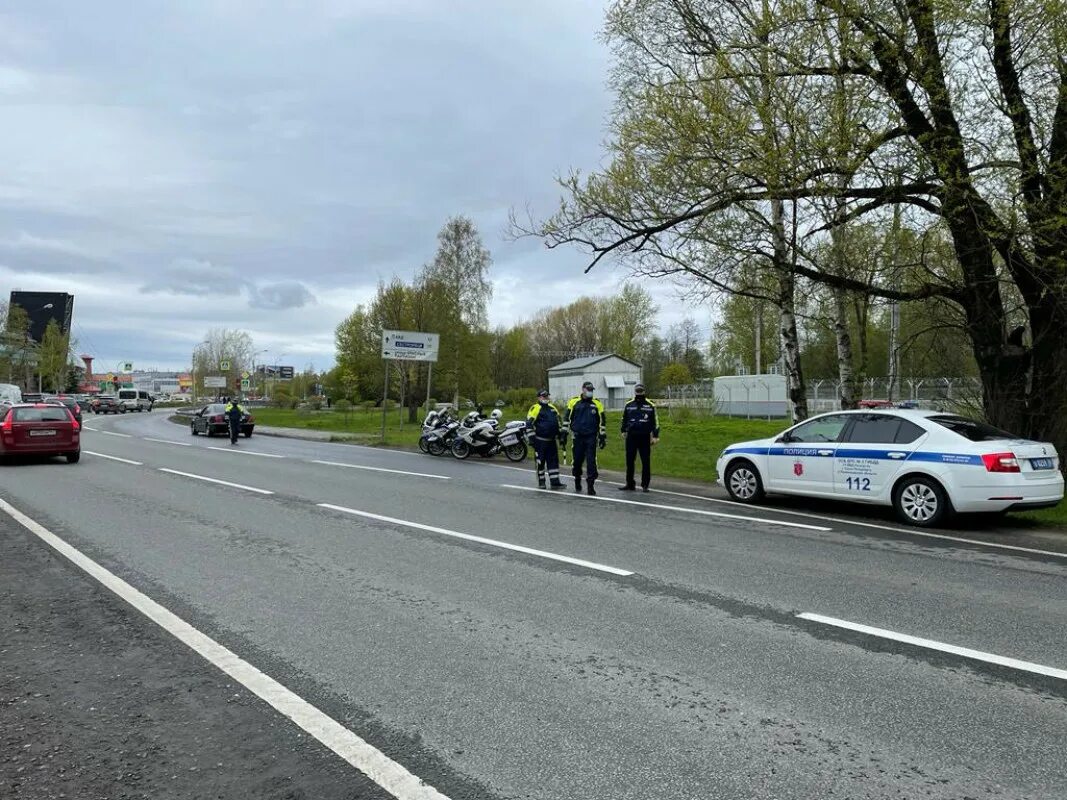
(544, 428)
(584, 420)
(234, 411)
(640, 429)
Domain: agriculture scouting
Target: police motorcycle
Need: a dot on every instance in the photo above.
(486, 439)
(438, 439)
(434, 426)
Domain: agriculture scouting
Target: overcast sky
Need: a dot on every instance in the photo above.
(261, 165)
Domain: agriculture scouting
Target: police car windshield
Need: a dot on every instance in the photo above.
(971, 429)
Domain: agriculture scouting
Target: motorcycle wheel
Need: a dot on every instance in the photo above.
(436, 448)
(424, 446)
(516, 452)
(460, 449)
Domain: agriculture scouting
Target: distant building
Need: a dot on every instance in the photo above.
(613, 376)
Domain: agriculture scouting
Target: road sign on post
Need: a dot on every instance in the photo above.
(224, 366)
(215, 382)
(127, 367)
(245, 384)
(410, 346)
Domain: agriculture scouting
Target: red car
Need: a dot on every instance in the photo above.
(40, 429)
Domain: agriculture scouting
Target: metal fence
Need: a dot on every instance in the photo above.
(760, 401)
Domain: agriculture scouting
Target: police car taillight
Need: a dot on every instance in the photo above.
(1000, 462)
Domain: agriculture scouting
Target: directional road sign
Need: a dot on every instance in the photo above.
(410, 345)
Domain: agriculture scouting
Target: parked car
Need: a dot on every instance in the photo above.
(32, 397)
(106, 404)
(925, 464)
(211, 421)
(40, 429)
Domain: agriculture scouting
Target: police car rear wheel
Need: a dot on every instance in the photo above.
(743, 482)
(920, 501)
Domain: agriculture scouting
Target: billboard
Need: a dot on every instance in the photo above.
(42, 308)
(410, 345)
(275, 371)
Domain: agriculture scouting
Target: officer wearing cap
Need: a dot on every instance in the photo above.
(584, 420)
(640, 429)
(543, 429)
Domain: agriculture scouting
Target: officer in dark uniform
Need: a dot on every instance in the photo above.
(640, 429)
(544, 429)
(234, 412)
(584, 420)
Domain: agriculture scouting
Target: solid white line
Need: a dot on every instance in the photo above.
(112, 433)
(481, 540)
(113, 458)
(965, 652)
(876, 526)
(215, 480)
(373, 763)
(244, 452)
(167, 441)
(382, 469)
(669, 508)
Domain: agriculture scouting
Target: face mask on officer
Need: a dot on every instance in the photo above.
(639, 391)
(587, 392)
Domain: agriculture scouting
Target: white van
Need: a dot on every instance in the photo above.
(10, 393)
(134, 400)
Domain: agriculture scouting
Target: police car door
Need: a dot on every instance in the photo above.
(872, 454)
(802, 461)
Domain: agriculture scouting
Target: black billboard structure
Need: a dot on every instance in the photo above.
(42, 308)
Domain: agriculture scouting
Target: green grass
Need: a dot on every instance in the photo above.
(688, 446)
(687, 449)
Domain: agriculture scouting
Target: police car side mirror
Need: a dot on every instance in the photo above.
(784, 438)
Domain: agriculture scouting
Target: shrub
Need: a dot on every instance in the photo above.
(344, 408)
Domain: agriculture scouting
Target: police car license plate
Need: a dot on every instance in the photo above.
(1041, 463)
(42, 432)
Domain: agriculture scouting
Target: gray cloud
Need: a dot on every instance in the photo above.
(279, 296)
(322, 153)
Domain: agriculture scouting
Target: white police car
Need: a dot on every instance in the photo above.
(926, 464)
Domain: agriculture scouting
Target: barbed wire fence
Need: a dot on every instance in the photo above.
(757, 400)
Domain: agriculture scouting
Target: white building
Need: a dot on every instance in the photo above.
(613, 376)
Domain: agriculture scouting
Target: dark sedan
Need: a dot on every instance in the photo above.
(211, 421)
(106, 404)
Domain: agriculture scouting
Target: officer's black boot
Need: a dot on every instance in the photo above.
(577, 484)
(557, 484)
(590, 490)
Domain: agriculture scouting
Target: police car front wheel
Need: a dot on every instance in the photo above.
(743, 482)
(920, 501)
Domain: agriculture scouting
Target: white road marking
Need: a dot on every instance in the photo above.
(381, 469)
(244, 452)
(112, 433)
(167, 441)
(113, 458)
(481, 540)
(373, 763)
(930, 644)
(215, 480)
(875, 525)
(683, 510)
(87, 428)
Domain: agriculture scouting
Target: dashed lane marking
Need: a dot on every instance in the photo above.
(243, 452)
(381, 469)
(481, 540)
(167, 441)
(215, 480)
(113, 458)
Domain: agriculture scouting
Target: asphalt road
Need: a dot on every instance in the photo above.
(671, 662)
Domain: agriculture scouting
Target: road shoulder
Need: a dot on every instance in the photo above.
(96, 701)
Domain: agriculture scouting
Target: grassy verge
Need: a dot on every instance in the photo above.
(688, 448)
